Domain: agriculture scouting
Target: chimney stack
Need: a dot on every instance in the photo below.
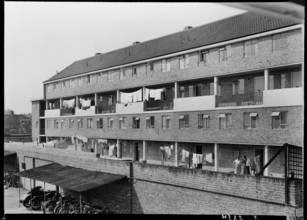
(187, 28)
(136, 42)
(97, 54)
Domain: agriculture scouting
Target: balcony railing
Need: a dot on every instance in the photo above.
(255, 98)
(105, 109)
(42, 131)
(67, 111)
(157, 105)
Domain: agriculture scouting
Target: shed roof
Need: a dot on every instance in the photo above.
(73, 178)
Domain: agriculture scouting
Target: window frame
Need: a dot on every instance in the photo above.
(89, 123)
(110, 123)
(184, 122)
(279, 120)
(166, 122)
(222, 58)
(150, 122)
(122, 122)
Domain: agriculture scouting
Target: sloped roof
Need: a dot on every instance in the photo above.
(227, 29)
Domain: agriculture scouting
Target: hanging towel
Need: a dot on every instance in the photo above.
(168, 152)
(111, 149)
(199, 158)
(209, 158)
(194, 160)
(184, 154)
(102, 141)
(172, 147)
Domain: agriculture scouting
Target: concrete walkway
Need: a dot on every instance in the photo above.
(11, 202)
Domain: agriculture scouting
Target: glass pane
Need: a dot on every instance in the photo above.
(296, 79)
(275, 121)
(283, 116)
(254, 122)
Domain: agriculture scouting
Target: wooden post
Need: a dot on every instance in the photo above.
(176, 154)
(80, 203)
(286, 176)
(144, 150)
(216, 159)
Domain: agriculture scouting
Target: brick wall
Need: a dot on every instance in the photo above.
(169, 190)
(235, 63)
(35, 118)
(263, 135)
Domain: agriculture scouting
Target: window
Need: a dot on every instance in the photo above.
(183, 121)
(80, 82)
(99, 123)
(63, 84)
(166, 121)
(87, 79)
(238, 87)
(280, 41)
(71, 83)
(168, 65)
(80, 123)
(203, 121)
(150, 66)
(122, 123)
(203, 56)
(110, 123)
(89, 122)
(163, 65)
(150, 122)
(250, 48)
(250, 120)
(110, 100)
(100, 77)
(56, 123)
(54, 86)
(225, 121)
(279, 120)
(110, 76)
(222, 54)
(181, 62)
(122, 73)
(136, 122)
(184, 61)
(71, 123)
(62, 124)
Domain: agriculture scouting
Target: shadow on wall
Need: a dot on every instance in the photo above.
(119, 196)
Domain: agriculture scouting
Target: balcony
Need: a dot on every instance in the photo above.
(85, 112)
(67, 111)
(283, 97)
(41, 113)
(42, 131)
(157, 105)
(52, 113)
(105, 109)
(130, 108)
(246, 99)
(194, 103)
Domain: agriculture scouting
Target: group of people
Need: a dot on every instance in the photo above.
(247, 166)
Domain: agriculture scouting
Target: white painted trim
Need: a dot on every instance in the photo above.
(186, 51)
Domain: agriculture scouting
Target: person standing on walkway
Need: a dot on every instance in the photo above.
(237, 164)
(248, 164)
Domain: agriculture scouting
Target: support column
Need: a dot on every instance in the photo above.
(47, 105)
(144, 94)
(176, 90)
(176, 154)
(119, 150)
(96, 99)
(266, 159)
(216, 158)
(144, 150)
(216, 81)
(61, 103)
(117, 96)
(77, 101)
(266, 79)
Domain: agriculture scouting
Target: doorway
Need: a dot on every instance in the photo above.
(136, 151)
(199, 150)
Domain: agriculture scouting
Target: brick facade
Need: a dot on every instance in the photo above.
(263, 135)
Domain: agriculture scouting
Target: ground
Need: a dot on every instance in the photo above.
(11, 202)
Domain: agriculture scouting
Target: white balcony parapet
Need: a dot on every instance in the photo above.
(130, 108)
(52, 113)
(194, 103)
(283, 97)
(86, 112)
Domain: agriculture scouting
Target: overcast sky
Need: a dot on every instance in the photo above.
(44, 37)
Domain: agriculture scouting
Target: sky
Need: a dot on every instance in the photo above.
(42, 38)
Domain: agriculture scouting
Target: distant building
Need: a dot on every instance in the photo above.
(17, 124)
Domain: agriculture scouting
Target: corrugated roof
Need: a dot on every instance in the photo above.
(73, 178)
(227, 29)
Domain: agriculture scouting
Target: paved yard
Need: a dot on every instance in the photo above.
(11, 202)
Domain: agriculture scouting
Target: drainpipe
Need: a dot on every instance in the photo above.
(216, 159)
